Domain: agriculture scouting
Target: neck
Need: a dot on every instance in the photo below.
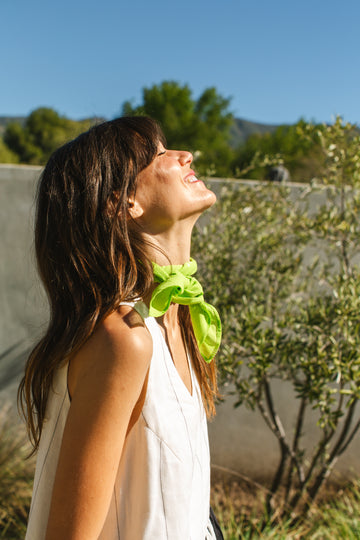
(165, 248)
(171, 246)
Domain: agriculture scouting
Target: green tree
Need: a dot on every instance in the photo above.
(202, 126)
(289, 315)
(6, 155)
(44, 131)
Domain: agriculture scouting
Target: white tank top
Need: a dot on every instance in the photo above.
(162, 488)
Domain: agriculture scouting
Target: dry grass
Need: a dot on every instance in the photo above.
(239, 507)
(16, 473)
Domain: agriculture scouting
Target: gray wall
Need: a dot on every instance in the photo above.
(239, 438)
(21, 300)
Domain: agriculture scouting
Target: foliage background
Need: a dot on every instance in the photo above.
(224, 146)
(285, 276)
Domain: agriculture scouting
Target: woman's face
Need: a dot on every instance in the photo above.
(168, 191)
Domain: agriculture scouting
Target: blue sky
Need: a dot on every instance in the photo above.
(278, 60)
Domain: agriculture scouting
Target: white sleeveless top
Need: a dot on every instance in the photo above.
(162, 488)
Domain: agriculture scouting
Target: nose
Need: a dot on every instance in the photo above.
(185, 158)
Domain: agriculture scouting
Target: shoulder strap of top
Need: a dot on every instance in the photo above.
(139, 306)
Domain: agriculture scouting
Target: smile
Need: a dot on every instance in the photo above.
(191, 178)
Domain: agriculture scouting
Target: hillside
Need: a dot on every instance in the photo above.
(242, 129)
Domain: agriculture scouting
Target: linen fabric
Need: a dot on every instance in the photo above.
(162, 488)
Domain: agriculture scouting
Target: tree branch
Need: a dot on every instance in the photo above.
(295, 448)
(350, 438)
(329, 463)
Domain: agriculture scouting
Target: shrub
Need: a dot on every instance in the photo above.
(281, 265)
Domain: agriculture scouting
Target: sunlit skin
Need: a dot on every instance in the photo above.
(169, 199)
(108, 375)
(168, 202)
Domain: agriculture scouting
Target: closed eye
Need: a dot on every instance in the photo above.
(162, 153)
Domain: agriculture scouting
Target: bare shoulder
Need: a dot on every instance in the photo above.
(106, 379)
(120, 345)
(124, 331)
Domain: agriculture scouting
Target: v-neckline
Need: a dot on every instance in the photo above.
(173, 367)
(143, 310)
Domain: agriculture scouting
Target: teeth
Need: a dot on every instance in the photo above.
(192, 179)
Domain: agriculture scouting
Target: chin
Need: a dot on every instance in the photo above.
(209, 199)
(197, 206)
(205, 204)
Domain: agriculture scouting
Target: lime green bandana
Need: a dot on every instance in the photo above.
(177, 285)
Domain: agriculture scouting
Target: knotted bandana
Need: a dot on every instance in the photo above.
(177, 285)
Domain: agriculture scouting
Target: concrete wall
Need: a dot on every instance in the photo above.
(239, 438)
(22, 304)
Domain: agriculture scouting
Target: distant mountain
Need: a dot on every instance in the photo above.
(240, 130)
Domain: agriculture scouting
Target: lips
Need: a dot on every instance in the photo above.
(191, 178)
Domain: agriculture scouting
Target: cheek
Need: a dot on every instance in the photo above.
(154, 198)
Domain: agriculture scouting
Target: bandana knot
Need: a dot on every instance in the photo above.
(177, 285)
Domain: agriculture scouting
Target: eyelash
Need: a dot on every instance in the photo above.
(162, 153)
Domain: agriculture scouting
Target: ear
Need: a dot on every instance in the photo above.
(134, 208)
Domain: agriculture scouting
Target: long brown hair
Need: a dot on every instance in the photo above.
(87, 256)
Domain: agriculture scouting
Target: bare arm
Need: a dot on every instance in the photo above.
(108, 375)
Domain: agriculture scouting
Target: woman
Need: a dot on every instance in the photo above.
(114, 397)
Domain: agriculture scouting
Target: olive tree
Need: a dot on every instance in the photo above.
(282, 266)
